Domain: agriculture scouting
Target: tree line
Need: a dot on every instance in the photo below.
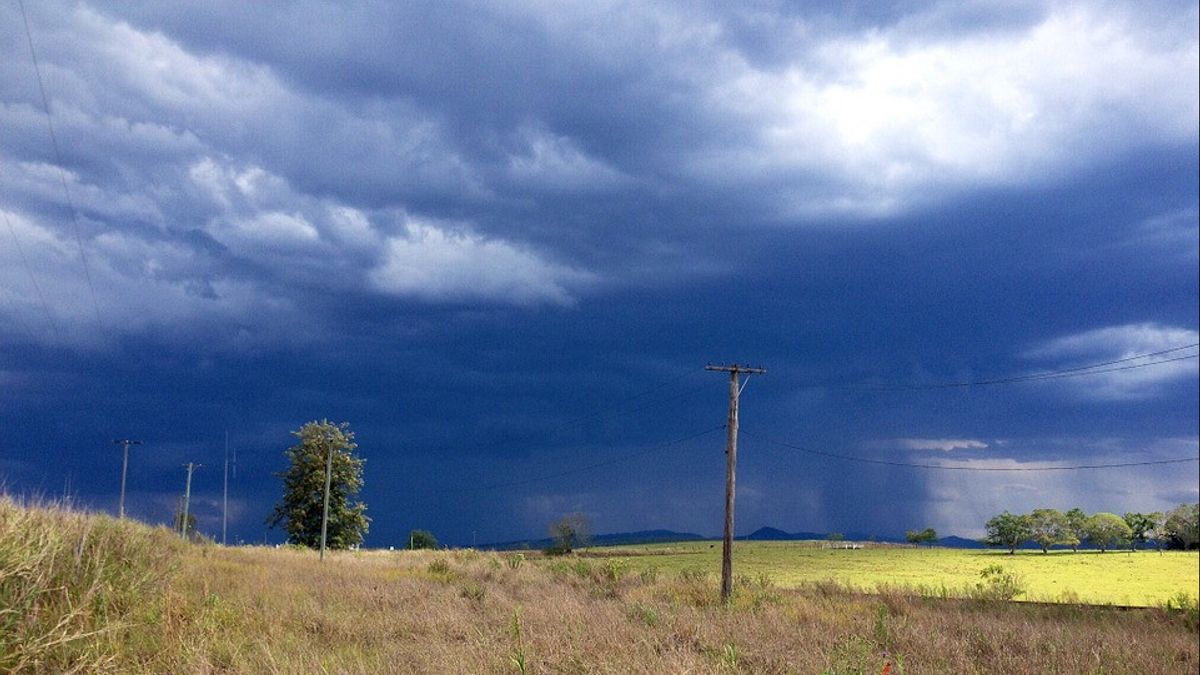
(1177, 528)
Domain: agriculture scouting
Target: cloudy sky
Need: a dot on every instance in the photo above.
(502, 240)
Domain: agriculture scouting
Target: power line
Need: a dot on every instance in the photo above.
(609, 411)
(621, 407)
(589, 467)
(1079, 371)
(32, 279)
(62, 172)
(942, 467)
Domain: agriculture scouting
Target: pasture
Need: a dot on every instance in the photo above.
(1143, 578)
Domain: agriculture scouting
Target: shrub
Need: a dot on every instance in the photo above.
(1186, 605)
(998, 584)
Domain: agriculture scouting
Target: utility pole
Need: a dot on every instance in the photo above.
(125, 443)
(225, 494)
(731, 429)
(328, 479)
(187, 498)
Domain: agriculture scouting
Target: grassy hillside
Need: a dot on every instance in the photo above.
(1144, 578)
(93, 595)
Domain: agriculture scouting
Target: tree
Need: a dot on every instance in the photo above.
(568, 533)
(1140, 525)
(1076, 528)
(1159, 534)
(1049, 527)
(300, 510)
(1007, 529)
(1106, 529)
(1183, 525)
(919, 537)
(418, 539)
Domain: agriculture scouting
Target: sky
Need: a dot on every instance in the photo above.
(503, 240)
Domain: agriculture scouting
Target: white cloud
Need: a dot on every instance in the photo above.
(942, 444)
(883, 118)
(960, 502)
(553, 162)
(437, 264)
(1132, 377)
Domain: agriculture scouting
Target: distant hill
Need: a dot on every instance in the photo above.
(959, 542)
(614, 539)
(761, 534)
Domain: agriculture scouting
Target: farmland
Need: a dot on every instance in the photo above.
(1144, 578)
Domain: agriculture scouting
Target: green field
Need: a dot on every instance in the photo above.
(1144, 578)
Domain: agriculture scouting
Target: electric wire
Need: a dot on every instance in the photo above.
(943, 467)
(32, 278)
(1079, 371)
(607, 412)
(62, 172)
(589, 467)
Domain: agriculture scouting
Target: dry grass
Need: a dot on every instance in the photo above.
(74, 587)
(254, 610)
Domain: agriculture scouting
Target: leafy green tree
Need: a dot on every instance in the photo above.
(418, 539)
(1049, 527)
(1141, 527)
(569, 532)
(1076, 528)
(1009, 530)
(299, 511)
(1183, 524)
(919, 537)
(1107, 529)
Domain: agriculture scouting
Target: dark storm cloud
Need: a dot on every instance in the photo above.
(465, 227)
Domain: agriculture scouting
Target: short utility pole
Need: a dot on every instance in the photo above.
(731, 429)
(328, 480)
(187, 498)
(125, 443)
(225, 492)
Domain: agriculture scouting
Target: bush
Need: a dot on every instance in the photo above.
(1186, 605)
(998, 584)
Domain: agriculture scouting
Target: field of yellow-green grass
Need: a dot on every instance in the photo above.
(83, 593)
(1117, 577)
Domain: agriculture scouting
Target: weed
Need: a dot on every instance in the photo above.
(882, 632)
(440, 567)
(473, 592)
(649, 575)
(729, 656)
(643, 613)
(612, 570)
(1185, 604)
(515, 561)
(517, 655)
(853, 655)
(998, 584)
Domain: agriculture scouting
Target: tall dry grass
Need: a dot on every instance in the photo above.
(256, 610)
(75, 588)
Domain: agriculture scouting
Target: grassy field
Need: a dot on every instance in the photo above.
(82, 593)
(1144, 578)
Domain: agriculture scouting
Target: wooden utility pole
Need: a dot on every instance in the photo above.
(125, 443)
(187, 498)
(731, 429)
(225, 493)
(328, 480)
